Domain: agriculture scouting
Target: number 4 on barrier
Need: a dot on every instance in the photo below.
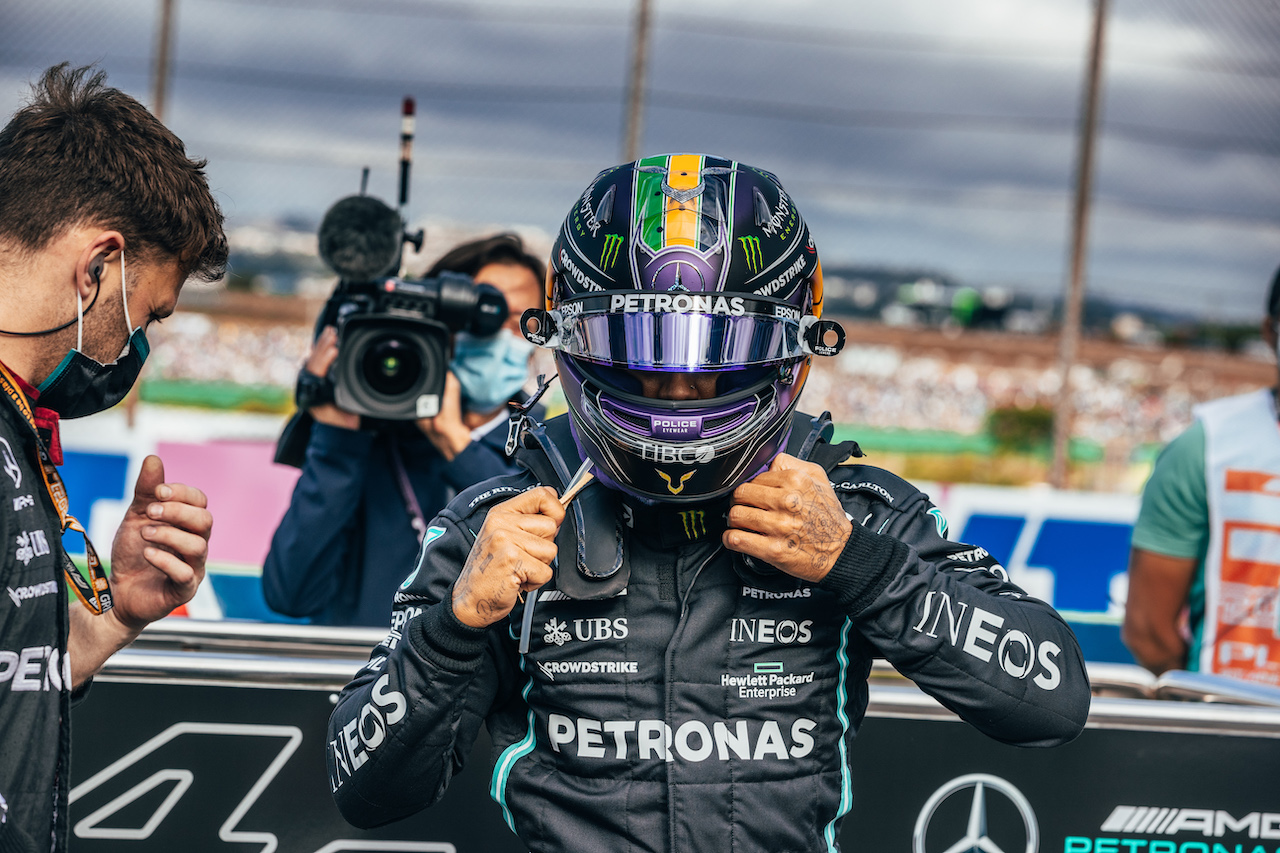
(90, 826)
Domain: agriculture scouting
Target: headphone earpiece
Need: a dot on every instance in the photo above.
(95, 268)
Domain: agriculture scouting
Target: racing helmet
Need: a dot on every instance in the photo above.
(682, 263)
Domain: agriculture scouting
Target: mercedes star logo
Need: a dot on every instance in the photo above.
(975, 839)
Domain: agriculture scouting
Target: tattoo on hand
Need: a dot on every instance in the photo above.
(824, 527)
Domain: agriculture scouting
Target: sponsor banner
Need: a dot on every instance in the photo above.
(1070, 549)
(228, 456)
(930, 787)
(208, 765)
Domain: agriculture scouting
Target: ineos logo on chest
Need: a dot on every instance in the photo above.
(771, 631)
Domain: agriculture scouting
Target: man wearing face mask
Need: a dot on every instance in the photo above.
(359, 510)
(1203, 572)
(103, 217)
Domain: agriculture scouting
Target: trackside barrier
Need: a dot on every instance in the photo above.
(212, 737)
(1068, 548)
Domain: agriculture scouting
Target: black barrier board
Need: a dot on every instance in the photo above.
(1109, 791)
(187, 769)
(176, 767)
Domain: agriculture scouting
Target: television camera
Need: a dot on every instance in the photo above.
(395, 335)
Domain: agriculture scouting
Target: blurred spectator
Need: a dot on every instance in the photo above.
(197, 347)
(360, 509)
(1124, 406)
(1204, 572)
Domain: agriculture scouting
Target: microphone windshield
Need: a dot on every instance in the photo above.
(360, 238)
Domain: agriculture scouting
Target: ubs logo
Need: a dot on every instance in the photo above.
(557, 632)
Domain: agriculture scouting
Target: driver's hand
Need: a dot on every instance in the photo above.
(789, 517)
(512, 555)
(323, 354)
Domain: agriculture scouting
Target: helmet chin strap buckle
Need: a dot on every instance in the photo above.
(541, 327)
(519, 421)
(591, 563)
(821, 337)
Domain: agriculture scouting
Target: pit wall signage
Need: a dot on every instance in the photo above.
(211, 767)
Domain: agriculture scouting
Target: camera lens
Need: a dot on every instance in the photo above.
(390, 368)
(391, 365)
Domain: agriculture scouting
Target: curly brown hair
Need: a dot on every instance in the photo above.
(83, 153)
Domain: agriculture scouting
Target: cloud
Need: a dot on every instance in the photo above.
(913, 132)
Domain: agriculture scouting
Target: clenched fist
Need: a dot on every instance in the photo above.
(789, 517)
(512, 555)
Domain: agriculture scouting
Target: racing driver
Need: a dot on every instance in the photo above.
(677, 659)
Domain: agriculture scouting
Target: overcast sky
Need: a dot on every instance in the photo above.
(938, 134)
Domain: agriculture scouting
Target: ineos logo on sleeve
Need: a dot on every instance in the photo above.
(973, 630)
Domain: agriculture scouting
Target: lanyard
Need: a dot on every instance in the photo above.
(94, 592)
(416, 519)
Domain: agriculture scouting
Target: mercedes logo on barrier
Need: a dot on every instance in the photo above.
(975, 838)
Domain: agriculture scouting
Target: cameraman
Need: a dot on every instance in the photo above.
(359, 510)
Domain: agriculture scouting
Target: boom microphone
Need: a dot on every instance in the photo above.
(360, 238)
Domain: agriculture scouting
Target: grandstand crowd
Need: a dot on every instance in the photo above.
(1123, 406)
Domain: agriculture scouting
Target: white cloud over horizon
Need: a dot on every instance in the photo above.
(929, 133)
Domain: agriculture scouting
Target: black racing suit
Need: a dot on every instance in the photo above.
(35, 677)
(709, 706)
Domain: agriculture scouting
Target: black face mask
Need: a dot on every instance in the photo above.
(80, 385)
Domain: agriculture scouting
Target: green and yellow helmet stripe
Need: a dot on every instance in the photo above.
(647, 190)
(684, 172)
(666, 221)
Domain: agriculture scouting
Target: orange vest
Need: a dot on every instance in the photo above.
(1241, 631)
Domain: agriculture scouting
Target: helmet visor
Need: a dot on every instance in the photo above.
(682, 342)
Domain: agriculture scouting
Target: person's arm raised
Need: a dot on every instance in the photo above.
(157, 563)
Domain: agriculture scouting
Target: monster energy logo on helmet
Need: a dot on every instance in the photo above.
(609, 255)
(751, 248)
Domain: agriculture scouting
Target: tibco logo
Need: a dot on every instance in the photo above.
(682, 454)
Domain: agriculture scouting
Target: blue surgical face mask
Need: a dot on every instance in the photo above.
(80, 385)
(491, 370)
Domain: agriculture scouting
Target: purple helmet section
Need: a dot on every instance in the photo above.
(678, 268)
(750, 240)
